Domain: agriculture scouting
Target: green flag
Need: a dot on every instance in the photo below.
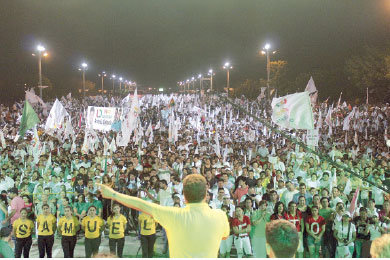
(29, 119)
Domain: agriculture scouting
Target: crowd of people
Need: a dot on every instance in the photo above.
(253, 174)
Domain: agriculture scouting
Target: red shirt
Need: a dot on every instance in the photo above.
(296, 220)
(241, 225)
(276, 217)
(315, 226)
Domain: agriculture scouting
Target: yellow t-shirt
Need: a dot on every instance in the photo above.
(117, 226)
(68, 226)
(92, 226)
(193, 231)
(147, 224)
(23, 228)
(45, 225)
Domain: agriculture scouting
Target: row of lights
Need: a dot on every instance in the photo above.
(84, 66)
(227, 66)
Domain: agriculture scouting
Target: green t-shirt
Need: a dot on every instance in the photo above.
(80, 206)
(325, 213)
(6, 250)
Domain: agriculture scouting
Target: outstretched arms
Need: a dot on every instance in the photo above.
(128, 201)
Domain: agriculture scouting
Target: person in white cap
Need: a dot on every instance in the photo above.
(345, 233)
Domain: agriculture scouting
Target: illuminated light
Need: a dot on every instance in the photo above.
(40, 48)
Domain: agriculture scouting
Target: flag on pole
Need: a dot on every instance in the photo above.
(29, 119)
(353, 205)
(293, 111)
(56, 116)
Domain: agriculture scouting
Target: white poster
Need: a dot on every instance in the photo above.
(102, 118)
(312, 137)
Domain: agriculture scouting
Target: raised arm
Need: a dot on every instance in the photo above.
(128, 201)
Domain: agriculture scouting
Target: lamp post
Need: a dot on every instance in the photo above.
(227, 67)
(102, 75)
(120, 85)
(84, 67)
(188, 85)
(266, 51)
(113, 83)
(40, 49)
(200, 82)
(211, 79)
(193, 82)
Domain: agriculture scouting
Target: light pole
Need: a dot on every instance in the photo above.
(188, 85)
(113, 83)
(102, 75)
(40, 49)
(266, 51)
(211, 79)
(84, 67)
(227, 67)
(120, 85)
(200, 82)
(193, 82)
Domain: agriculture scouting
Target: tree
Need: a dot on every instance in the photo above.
(249, 88)
(278, 77)
(369, 70)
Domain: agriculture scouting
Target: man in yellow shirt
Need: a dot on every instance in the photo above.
(148, 234)
(46, 229)
(68, 226)
(193, 231)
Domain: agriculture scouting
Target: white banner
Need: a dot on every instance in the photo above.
(312, 137)
(101, 118)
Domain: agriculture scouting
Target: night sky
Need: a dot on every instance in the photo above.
(160, 42)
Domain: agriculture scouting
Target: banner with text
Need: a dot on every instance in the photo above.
(102, 118)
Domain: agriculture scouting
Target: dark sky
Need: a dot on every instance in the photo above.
(159, 42)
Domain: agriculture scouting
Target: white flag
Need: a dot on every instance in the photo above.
(311, 87)
(3, 144)
(293, 111)
(347, 119)
(56, 116)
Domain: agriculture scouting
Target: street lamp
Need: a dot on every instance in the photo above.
(83, 68)
(120, 85)
(266, 51)
(227, 67)
(113, 83)
(102, 75)
(200, 82)
(211, 79)
(193, 82)
(188, 85)
(40, 49)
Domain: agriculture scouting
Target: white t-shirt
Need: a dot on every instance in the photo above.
(374, 230)
(342, 232)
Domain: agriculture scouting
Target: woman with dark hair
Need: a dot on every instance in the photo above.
(23, 228)
(93, 227)
(3, 210)
(79, 207)
(279, 211)
(116, 224)
(294, 216)
(68, 226)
